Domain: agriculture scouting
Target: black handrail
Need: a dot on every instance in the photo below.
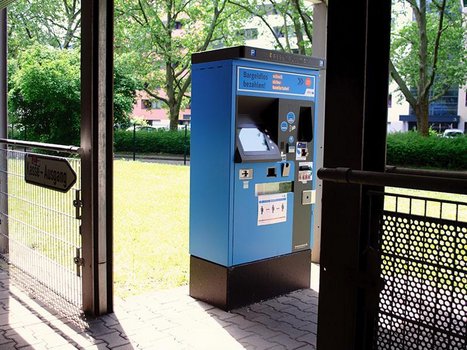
(420, 182)
(45, 146)
(425, 172)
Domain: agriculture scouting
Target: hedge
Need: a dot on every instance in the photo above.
(412, 150)
(403, 149)
(161, 141)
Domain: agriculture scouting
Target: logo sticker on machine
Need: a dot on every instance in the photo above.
(275, 82)
(284, 126)
(272, 209)
(291, 117)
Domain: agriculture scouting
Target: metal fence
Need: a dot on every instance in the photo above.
(423, 246)
(39, 235)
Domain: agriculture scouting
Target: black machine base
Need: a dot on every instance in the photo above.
(231, 287)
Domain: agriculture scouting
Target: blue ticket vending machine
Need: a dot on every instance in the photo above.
(251, 192)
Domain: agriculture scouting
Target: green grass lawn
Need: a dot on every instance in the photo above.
(150, 226)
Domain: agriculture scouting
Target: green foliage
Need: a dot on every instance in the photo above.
(161, 141)
(428, 52)
(413, 150)
(156, 40)
(451, 66)
(292, 19)
(44, 96)
(46, 22)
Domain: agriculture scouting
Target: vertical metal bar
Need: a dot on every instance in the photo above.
(4, 243)
(356, 101)
(320, 24)
(97, 157)
(134, 142)
(184, 144)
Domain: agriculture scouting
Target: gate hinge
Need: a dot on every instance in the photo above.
(78, 203)
(79, 261)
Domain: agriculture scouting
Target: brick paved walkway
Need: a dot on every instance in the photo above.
(162, 320)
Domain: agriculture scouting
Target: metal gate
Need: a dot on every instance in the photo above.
(423, 246)
(40, 226)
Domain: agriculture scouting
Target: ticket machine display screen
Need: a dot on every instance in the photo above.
(253, 140)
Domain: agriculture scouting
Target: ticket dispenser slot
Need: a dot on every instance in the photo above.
(251, 189)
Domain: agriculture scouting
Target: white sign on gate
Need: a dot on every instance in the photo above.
(50, 172)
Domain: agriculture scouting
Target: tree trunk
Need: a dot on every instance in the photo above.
(174, 113)
(422, 113)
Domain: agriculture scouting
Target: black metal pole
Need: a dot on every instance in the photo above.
(134, 141)
(412, 181)
(184, 145)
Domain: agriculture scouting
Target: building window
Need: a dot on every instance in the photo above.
(178, 25)
(145, 104)
(250, 34)
(156, 104)
(278, 32)
(445, 105)
(390, 101)
(148, 104)
(465, 102)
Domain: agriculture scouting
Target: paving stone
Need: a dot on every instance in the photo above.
(294, 321)
(164, 320)
(241, 322)
(220, 314)
(289, 330)
(249, 314)
(278, 347)
(8, 345)
(256, 342)
(309, 327)
(302, 315)
(98, 329)
(109, 320)
(309, 338)
(271, 313)
(262, 331)
(287, 341)
(124, 347)
(20, 340)
(114, 339)
(237, 332)
(307, 347)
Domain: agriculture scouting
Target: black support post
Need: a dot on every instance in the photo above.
(355, 137)
(97, 154)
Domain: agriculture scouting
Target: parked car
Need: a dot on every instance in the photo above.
(146, 128)
(450, 133)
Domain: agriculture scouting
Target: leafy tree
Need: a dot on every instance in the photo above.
(47, 22)
(295, 16)
(45, 94)
(428, 54)
(155, 39)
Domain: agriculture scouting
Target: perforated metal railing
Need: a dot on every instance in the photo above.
(39, 235)
(423, 245)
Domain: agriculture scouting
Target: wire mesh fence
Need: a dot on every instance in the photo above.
(39, 234)
(423, 245)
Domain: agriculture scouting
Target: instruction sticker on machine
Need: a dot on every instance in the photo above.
(272, 209)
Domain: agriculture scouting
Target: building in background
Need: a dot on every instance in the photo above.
(152, 112)
(448, 112)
